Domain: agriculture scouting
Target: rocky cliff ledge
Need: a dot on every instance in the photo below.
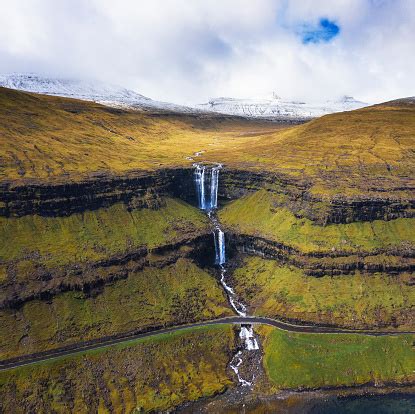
(139, 189)
(143, 189)
(295, 194)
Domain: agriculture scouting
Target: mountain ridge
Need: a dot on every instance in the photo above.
(272, 107)
(275, 107)
(88, 90)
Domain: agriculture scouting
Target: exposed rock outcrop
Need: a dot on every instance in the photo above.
(143, 189)
(139, 189)
(43, 283)
(319, 264)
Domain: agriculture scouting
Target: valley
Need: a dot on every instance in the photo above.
(117, 222)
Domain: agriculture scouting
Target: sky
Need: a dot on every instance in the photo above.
(187, 51)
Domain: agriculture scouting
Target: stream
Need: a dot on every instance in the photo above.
(207, 182)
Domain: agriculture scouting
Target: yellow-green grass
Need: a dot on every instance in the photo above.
(98, 234)
(302, 361)
(155, 373)
(257, 214)
(354, 153)
(368, 301)
(52, 138)
(177, 294)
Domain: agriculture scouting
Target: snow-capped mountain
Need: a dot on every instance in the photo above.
(100, 92)
(272, 108)
(276, 108)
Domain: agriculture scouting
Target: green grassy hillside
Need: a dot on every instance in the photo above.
(152, 374)
(97, 234)
(151, 298)
(357, 301)
(304, 361)
(261, 214)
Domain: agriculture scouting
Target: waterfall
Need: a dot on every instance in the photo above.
(200, 186)
(214, 188)
(247, 334)
(219, 237)
(207, 200)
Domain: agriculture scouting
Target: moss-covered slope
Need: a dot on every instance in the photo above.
(153, 374)
(149, 299)
(67, 279)
(98, 234)
(364, 268)
(262, 214)
(360, 300)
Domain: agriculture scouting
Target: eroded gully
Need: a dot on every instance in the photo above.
(207, 180)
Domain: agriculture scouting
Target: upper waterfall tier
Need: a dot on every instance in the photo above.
(206, 181)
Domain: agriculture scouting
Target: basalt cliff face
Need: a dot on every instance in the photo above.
(296, 195)
(143, 189)
(28, 276)
(148, 190)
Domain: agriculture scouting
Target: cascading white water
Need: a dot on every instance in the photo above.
(214, 180)
(235, 364)
(219, 236)
(239, 307)
(208, 201)
(247, 334)
(200, 186)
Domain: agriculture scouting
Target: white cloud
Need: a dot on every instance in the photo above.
(188, 51)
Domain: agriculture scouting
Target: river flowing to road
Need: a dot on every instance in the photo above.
(207, 183)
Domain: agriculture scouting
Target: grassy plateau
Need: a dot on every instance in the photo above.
(354, 153)
(51, 138)
(309, 361)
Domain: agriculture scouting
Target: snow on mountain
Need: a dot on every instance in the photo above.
(272, 107)
(276, 108)
(100, 92)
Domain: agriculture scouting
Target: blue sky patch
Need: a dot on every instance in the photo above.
(323, 32)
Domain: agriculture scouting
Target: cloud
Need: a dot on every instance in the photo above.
(187, 51)
(323, 32)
